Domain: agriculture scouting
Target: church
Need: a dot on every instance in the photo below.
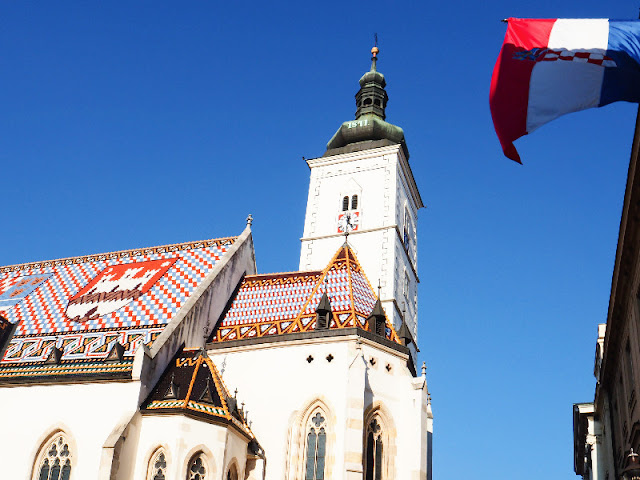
(183, 362)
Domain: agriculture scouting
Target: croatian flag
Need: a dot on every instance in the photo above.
(547, 68)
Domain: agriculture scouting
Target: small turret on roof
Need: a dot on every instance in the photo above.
(324, 312)
(404, 334)
(377, 319)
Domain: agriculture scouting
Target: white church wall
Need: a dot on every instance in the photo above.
(87, 413)
(280, 388)
(181, 438)
(403, 399)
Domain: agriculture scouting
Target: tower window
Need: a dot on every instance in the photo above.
(354, 202)
(345, 203)
(406, 285)
(407, 232)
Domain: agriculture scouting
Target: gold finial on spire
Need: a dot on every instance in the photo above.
(374, 52)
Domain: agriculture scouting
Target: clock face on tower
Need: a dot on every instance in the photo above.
(348, 222)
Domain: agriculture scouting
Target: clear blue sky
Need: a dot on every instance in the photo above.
(129, 124)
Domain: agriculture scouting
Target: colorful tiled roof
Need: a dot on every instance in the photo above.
(84, 305)
(191, 384)
(284, 303)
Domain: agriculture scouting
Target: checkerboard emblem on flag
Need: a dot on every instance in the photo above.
(550, 55)
(114, 287)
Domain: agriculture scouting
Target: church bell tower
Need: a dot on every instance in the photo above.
(362, 191)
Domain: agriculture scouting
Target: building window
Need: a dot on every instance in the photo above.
(350, 202)
(232, 474)
(197, 468)
(374, 451)
(158, 466)
(55, 459)
(405, 286)
(629, 368)
(407, 231)
(316, 447)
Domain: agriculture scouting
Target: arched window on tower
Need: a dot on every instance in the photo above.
(345, 203)
(374, 449)
(158, 466)
(354, 202)
(197, 469)
(55, 459)
(316, 446)
(408, 234)
(405, 232)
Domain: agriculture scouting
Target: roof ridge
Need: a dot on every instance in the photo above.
(118, 253)
(350, 278)
(218, 383)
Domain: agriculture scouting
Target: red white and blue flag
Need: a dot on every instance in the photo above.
(547, 68)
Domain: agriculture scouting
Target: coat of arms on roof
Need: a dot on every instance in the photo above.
(20, 288)
(114, 287)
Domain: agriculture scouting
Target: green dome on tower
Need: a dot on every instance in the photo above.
(369, 129)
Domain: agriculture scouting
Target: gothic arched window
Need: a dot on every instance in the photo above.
(197, 469)
(316, 446)
(406, 238)
(158, 466)
(55, 459)
(232, 474)
(373, 451)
